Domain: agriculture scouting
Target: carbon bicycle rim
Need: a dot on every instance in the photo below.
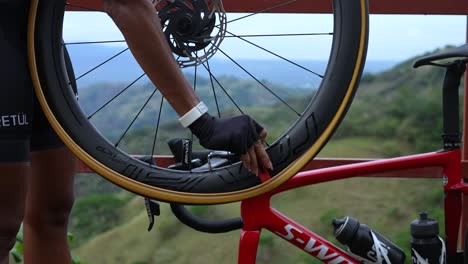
(290, 151)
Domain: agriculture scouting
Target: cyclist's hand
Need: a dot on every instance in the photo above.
(239, 134)
(257, 155)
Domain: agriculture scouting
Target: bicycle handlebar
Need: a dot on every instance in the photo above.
(185, 157)
(204, 225)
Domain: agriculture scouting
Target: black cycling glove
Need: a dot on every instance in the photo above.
(235, 134)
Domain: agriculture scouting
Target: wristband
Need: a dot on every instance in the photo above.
(192, 115)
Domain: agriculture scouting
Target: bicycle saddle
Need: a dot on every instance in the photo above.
(461, 51)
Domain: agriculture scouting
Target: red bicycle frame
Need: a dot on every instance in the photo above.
(257, 213)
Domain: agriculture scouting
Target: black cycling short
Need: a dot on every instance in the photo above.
(23, 126)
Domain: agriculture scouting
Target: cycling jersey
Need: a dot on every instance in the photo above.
(23, 126)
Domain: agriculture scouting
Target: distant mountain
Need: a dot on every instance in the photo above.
(123, 68)
(273, 79)
(114, 109)
(401, 102)
(395, 112)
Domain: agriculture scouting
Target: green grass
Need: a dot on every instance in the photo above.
(387, 205)
(363, 147)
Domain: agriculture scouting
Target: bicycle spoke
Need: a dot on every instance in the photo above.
(84, 7)
(135, 118)
(267, 74)
(117, 95)
(222, 88)
(279, 35)
(276, 55)
(213, 89)
(262, 11)
(100, 64)
(157, 125)
(259, 82)
(94, 42)
(195, 74)
(198, 57)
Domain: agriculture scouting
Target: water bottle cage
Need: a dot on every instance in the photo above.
(422, 260)
(380, 250)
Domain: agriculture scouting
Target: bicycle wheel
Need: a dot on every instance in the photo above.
(305, 133)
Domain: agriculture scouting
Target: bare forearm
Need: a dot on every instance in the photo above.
(142, 31)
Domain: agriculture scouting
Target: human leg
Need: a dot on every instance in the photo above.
(49, 197)
(12, 194)
(48, 205)
(15, 120)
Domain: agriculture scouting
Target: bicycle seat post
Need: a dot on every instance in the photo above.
(450, 104)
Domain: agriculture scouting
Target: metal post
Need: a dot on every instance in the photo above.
(464, 219)
(465, 113)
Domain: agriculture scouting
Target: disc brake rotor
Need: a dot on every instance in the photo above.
(191, 28)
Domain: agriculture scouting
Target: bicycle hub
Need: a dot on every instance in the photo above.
(191, 30)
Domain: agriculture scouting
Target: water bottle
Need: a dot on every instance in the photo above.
(366, 244)
(426, 245)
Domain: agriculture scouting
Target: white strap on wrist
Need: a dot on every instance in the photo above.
(192, 115)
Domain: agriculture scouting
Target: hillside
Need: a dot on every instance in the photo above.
(125, 69)
(402, 103)
(232, 96)
(389, 212)
(395, 112)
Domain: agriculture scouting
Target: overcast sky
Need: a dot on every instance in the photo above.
(392, 37)
(399, 37)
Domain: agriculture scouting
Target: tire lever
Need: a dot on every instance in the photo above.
(263, 174)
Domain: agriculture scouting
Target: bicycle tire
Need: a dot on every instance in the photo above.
(228, 184)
